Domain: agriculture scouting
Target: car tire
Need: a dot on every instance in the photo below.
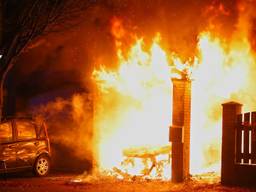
(42, 166)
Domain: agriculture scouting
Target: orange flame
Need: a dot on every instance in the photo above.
(134, 103)
(220, 74)
(137, 98)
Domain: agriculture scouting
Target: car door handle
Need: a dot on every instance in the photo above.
(36, 143)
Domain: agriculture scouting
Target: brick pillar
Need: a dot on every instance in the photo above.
(229, 121)
(180, 129)
(176, 137)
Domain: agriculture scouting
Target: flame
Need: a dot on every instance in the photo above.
(134, 106)
(221, 73)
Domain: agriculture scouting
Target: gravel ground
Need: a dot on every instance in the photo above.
(63, 182)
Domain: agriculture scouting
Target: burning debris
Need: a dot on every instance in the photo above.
(139, 163)
(151, 157)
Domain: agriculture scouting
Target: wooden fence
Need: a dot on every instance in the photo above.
(238, 156)
(246, 139)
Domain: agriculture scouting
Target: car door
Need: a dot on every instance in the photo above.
(7, 147)
(26, 143)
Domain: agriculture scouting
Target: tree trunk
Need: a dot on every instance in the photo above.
(1, 23)
(1, 34)
(7, 62)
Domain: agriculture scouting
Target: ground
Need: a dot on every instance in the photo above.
(63, 182)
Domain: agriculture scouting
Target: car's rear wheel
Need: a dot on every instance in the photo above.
(42, 166)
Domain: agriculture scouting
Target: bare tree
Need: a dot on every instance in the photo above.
(26, 20)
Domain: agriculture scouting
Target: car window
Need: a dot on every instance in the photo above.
(41, 132)
(25, 130)
(5, 132)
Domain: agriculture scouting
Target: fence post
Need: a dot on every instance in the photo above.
(229, 123)
(180, 129)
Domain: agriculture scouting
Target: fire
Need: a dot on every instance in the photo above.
(221, 73)
(134, 109)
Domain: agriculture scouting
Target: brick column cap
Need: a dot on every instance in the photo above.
(180, 79)
(231, 103)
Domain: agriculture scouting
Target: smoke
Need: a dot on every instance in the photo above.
(245, 34)
(69, 123)
(247, 17)
(92, 43)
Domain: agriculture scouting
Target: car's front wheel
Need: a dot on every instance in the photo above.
(42, 166)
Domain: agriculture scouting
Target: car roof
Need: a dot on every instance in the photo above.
(10, 118)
